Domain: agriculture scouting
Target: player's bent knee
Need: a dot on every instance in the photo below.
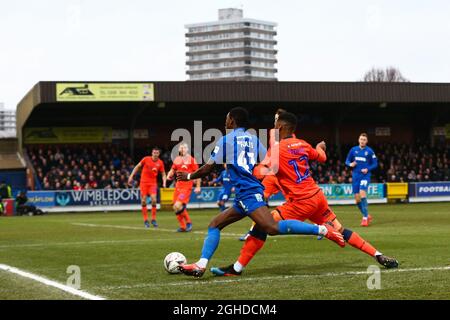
(258, 234)
(213, 224)
(271, 229)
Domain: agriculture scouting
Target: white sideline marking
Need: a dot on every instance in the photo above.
(140, 228)
(50, 283)
(235, 279)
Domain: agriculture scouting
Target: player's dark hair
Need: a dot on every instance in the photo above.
(363, 134)
(240, 117)
(156, 148)
(289, 118)
(280, 111)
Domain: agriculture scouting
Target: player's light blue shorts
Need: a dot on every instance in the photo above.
(248, 203)
(360, 183)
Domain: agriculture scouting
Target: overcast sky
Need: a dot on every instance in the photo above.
(320, 40)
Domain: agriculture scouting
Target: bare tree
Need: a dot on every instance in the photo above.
(389, 74)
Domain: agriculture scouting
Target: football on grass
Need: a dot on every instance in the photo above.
(172, 261)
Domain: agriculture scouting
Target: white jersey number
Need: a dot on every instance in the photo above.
(245, 160)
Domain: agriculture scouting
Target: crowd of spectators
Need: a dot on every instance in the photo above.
(81, 167)
(109, 166)
(396, 163)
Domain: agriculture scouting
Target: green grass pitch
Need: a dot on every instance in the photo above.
(119, 259)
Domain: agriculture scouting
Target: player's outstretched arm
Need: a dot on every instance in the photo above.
(321, 149)
(133, 173)
(199, 173)
(216, 180)
(171, 174)
(164, 178)
(349, 162)
(198, 186)
(373, 162)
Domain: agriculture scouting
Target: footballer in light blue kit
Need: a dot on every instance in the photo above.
(227, 188)
(363, 161)
(241, 150)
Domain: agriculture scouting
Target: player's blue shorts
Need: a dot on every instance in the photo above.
(248, 203)
(360, 183)
(224, 195)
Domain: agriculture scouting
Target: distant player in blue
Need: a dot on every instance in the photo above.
(241, 150)
(227, 187)
(363, 161)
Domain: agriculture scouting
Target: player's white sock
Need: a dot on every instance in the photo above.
(202, 263)
(378, 253)
(238, 267)
(322, 230)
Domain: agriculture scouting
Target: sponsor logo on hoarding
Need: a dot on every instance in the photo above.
(77, 91)
(208, 195)
(41, 198)
(62, 199)
(430, 189)
(433, 189)
(345, 191)
(104, 92)
(98, 197)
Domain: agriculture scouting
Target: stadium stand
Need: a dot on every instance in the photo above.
(396, 116)
(12, 165)
(9, 156)
(80, 167)
(107, 166)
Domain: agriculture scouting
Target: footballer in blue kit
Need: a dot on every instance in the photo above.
(226, 190)
(363, 161)
(241, 151)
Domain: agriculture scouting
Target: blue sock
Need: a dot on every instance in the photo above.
(359, 204)
(297, 227)
(222, 208)
(211, 243)
(364, 207)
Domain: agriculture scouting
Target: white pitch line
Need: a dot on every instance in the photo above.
(50, 283)
(236, 279)
(150, 229)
